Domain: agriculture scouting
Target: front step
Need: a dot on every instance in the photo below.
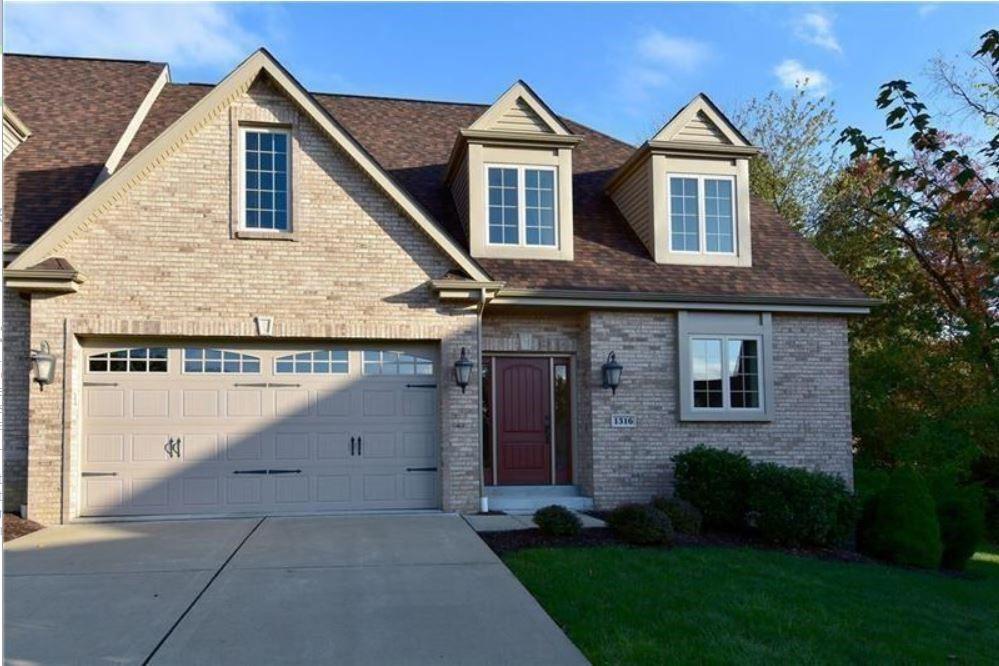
(528, 499)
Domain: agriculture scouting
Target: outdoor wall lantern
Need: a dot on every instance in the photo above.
(43, 363)
(612, 373)
(463, 370)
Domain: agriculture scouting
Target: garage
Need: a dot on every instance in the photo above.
(179, 429)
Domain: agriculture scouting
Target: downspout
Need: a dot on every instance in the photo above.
(483, 499)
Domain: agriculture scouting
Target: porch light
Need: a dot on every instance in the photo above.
(43, 363)
(612, 373)
(463, 370)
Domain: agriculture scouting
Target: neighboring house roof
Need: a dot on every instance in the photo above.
(77, 109)
(412, 141)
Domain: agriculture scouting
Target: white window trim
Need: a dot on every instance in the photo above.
(521, 203)
(243, 129)
(716, 325)
(312, 362)
(726, 389)
(203, 360)
(702, 233)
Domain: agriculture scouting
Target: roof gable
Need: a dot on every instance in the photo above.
(520, 110)
(260, 62)
(701, 122)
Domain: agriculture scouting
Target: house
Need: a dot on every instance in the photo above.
(252, 298)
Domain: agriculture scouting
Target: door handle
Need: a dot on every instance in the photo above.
(176, 447)
(168, 447)
(358, 445)
(351, 446)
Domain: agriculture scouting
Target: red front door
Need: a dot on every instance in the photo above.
(523, 423)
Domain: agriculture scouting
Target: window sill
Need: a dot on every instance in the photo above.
(726, 417)
(245, 234)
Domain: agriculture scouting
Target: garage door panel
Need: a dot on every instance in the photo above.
(332, 445)
(244, 403)
(200, 491)
(147, 403)
(244, 446)
(105, 403)
(104, 448)
(379, 402)
(296, 427)
(200, 403)
(291, 446)
(151, 447)
(199, 447)
(333, 488)
(292, 404)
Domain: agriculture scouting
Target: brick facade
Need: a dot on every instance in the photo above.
(16, 370)
(810, 428)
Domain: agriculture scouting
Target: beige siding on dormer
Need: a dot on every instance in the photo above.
(634, 199)
(520, 117)
(10, 141)
(700, 129)
(459, 192)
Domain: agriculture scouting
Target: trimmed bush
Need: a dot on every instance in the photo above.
(797, 507)
(961, 514)
(900, 523)
(683, 515)
(641, 524)
(716, 481)
(557, 520)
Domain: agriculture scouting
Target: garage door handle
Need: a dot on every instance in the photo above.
(421, 469)
(351, 446)
(358, 446)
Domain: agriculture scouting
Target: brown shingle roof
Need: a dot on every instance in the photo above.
(412, 140)
(77, 109)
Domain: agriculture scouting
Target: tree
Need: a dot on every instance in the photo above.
(938, 204)
(796, 134)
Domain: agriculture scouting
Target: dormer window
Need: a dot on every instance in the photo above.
(521, 205)
(685, 191)
(266, 185)
(510, 176)
(701, 212)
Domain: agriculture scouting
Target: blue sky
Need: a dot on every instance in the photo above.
(616, 67)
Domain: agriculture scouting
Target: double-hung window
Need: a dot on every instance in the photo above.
(725, 361)
(266, 197)
(702, 214)
(520, 206)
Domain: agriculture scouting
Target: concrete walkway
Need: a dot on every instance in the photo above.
(412, 589)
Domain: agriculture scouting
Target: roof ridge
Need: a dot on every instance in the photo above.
(90, 58)
(390, 98)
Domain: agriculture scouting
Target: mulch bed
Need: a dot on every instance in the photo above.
(14, 526)
(507, 542)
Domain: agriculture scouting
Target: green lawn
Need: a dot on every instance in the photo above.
(725, 605)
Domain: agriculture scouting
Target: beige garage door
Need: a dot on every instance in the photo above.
(229, 429)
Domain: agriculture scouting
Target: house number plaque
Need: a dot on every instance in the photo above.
(623, 421)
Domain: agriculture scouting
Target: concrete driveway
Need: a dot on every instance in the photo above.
(411, 589)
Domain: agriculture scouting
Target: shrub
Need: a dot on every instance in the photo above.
(683, 515)
(798, 507)
(557, 520)
(641, 524)
(901, 522)
(716, 482)
(961, 514)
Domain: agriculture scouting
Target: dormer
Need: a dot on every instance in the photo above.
(510, 175)
(685, 191)
(15, 132)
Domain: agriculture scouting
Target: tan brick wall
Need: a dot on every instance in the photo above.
(810, 428)
(161, 261)
(16, 377)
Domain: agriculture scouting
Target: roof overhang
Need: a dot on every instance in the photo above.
(573, 298)
(677, 149)
(50, 280)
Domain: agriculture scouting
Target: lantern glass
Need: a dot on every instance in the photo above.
(612, 373)
(463, 370)
(44, 363)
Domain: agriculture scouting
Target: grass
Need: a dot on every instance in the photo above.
(737, 605)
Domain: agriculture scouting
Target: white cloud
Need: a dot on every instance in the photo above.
(792, 73)
(181, 34)
(676, 52)
(817, 28)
